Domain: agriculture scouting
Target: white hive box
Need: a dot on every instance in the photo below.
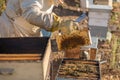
(99, 15)
(98, 22)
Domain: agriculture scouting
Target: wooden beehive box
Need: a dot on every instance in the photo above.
(72, 53)
(75, 69)
(24, 58)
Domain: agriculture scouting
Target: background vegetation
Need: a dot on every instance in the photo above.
(2, 6)
(115, 16)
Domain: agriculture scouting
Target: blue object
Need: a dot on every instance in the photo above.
(81, 17)
(45, 33)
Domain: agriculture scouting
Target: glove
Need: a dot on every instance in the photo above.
(56, 22)
(67, 26)
(64, 26)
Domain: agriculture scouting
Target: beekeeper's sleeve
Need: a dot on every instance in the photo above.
(31, 11)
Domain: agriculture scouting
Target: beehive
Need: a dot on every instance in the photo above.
(75, 69)
(24, 58)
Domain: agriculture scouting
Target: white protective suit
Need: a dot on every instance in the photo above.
(24, 18)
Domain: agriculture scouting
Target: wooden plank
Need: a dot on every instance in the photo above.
(20, 55)
(80, 61)
(93, 53)
(20, 58)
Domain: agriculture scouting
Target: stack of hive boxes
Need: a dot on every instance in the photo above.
(99, 15)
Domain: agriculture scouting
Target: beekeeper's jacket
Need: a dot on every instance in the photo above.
(24, 18)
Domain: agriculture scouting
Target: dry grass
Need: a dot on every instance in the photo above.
(115, 15)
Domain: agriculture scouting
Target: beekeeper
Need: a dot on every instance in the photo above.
(25, 18)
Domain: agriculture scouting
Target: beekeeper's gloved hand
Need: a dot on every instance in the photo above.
(68, 26)
(56, 22)
(63, 25)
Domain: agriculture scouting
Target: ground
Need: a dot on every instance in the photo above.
(71, 10)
